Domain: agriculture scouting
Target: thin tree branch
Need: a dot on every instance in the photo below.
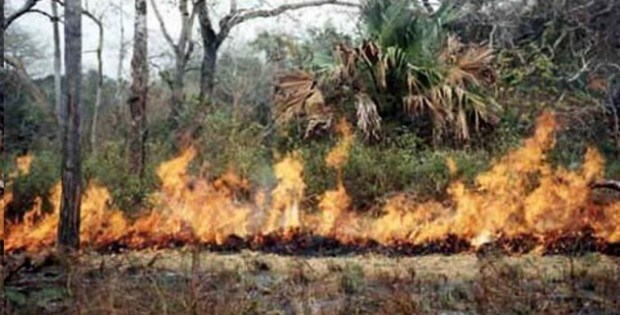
(27, 7)
(162, 25)
(51, 17)
(237, 17)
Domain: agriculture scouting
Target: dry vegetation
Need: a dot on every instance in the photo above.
(192, 282)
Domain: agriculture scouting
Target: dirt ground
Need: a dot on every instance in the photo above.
(186, 281)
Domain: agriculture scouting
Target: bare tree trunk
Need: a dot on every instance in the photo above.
(2, 140)
(207, 70)
(69, 222)
(615, 107)
(178, 98)
(93, 130)
(210, 46)
(118, 95)
(57, 61)
(139, 90)
(182, 49)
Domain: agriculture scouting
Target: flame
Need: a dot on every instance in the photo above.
(334, 203)
(339, 155)
(520, 194)
(287, 195)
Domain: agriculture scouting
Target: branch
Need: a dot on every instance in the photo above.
(186, 46)
(21, 11)
(237, 17)
(44, 14)
(162, 25)
(35, 92)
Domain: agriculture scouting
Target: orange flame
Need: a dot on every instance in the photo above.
(521, 193)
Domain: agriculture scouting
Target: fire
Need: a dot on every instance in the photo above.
(520, 197)
(287, 195)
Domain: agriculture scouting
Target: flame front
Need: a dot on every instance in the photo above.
(520, 194)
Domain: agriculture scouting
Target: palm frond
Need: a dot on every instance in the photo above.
(368, 118)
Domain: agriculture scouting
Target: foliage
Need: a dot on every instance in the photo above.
(228, 143)
(409, 68)
(38, 182)
(128, 191)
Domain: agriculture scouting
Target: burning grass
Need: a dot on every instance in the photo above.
(199, 282)
(521, 204)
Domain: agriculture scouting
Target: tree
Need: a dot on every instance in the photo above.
(615, 109)
(120, 83)
(2, 133)
(57, 60)
(99, 96)
(212, 40)
(139, 90)
(182, 50)
(69, 224)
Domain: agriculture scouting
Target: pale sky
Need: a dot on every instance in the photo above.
(294, 23)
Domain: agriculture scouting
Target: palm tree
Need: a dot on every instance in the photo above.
(410, 67)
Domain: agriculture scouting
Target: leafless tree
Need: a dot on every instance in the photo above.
(182, 50)
(121, 54)
(99, 95)
(69, 222)
(57, 60)
(2, 139)
(212, 40)
(139, 90)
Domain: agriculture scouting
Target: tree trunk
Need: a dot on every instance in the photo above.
(69, 225)
(139, 90)
(210, 45)
(57, 61)
(615, 107)
(2, 137)
(118, 94)
(177, 99)
(98, 98)
(207, 70)
(182, 49)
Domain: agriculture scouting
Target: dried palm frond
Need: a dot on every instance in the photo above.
(468, 65)
(368, 119)
(297, 95)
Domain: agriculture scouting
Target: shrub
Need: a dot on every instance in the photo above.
(109, 168)
(43, 175)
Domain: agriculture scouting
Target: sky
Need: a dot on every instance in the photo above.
(39, 28)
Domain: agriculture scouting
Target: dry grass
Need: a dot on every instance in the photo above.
(187, 282)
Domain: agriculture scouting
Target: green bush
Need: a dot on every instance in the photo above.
(109, 167)
(43, 175)
(227, 143)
